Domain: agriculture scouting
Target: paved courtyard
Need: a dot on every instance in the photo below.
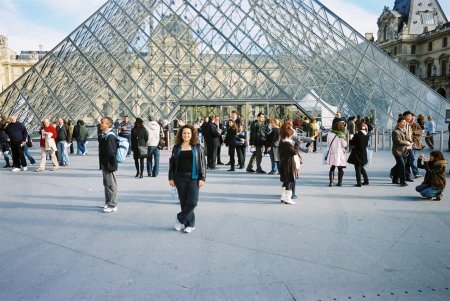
(380, 242)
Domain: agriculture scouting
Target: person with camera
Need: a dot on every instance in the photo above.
(434, 181)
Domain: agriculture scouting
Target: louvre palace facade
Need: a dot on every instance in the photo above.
(416, 34)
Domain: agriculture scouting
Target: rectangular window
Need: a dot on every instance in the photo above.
(427, 18)
(412, 69)
(429, 69)
(413, 49)
(430, 46)
(444, 42)
(444, 67)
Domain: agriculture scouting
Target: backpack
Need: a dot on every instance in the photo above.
(122, 147)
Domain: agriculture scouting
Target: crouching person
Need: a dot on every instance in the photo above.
(108, 163)
(434, 181)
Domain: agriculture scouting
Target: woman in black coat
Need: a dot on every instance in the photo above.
(287, 164)
(139, 137)
(358, 157)
(230, 141)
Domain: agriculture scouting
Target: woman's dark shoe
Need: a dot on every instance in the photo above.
(231, 169)
(137, 174)
(7, 166)
(365, 183)
(358, 185)
(141, 176)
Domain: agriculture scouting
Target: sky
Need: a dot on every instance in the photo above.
(30, 23)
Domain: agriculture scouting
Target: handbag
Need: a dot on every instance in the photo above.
(161, 143)
(143, 151)
(29, 142)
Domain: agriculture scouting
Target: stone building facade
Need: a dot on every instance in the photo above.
(416, 33)
(13, 65)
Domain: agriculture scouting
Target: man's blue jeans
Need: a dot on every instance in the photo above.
(153, 161)
(427, 191)
(63, 156)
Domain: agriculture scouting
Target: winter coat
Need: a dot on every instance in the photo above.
(154, 133)
(273, 141)
(107, 151)
(287, 168)
(211, 134)
(230, 138)
(336, 154)
(139, 137)
(435, 173)
(399, 143)
(199, 173)
(16, 132)
(82, 133)
(4, 145)
(417, 135)
(258, 133)
(359, 151)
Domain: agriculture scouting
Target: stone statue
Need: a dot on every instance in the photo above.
(3, 41)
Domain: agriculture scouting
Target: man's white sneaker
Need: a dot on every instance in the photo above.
(110, 209)
(24, 168)
(15, 169)
(189, 229)
(179, 226)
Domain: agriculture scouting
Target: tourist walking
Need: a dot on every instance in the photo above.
(17, 134)
(139, 138)
(358, 156)
(62, 139)
(434, 181)
(108, 164)
(241, 146)
(258, 138)
(313, 133)
(230, 141)
(400, 149)
(288, 168)
(26, 150)
(187, 172)
(81, 137)
(4, 146)
(125, 131)
(430, 128)
(154, 135)
(273, 142)
(336, 151)
(47, 145)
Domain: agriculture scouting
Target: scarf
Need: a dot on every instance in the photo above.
(340, 134)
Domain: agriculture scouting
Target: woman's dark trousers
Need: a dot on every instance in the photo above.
(188, 195)
(240, 150)
(360, 170)
(231, 150)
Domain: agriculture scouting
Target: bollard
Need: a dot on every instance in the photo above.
(376, 139)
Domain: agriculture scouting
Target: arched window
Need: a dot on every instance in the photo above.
(385, 32)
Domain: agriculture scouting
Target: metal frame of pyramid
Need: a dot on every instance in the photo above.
(144, 57)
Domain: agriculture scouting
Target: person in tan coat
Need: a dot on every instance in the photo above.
(400, 149)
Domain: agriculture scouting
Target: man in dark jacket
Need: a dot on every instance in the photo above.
(258, 134)
(211, 135)
(63, 137)
(108, 164)
(17, 134)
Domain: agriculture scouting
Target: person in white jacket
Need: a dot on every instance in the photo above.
(154, 134)
(336, 150)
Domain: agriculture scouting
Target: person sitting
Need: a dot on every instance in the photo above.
(434, 182)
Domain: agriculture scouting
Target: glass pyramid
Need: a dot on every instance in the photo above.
(148, 57)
